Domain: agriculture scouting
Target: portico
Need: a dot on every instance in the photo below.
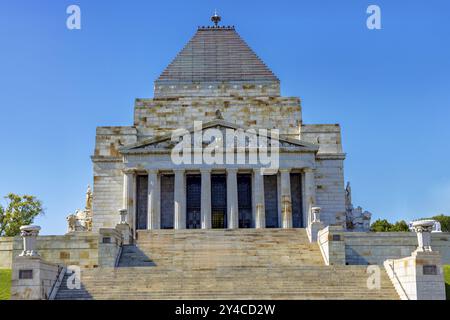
(227, 198)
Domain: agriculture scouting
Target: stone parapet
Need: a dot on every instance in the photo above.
(418, 277)
(110, 242)
(33, 278)
(332, 245)
(375, 247)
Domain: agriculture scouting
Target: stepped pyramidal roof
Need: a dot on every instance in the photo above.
(216, 54)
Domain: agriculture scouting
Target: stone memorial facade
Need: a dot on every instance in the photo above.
(219, 80)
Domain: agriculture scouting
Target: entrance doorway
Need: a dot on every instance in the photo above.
(193, 201)
(219, 201)
(271, 201)
(244, 182)
(141, 202)
(297, 203)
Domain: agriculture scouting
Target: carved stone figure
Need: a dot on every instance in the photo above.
(89, 198)
(81, 220)
(356, 218)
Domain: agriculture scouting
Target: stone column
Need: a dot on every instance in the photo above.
(206, 199)
(232, 199)
(180, 199)
(153, 221)
(128, 194)
(310, 193)
(286, 202)
(29, 235)
(260, 211)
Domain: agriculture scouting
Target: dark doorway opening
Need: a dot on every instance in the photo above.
(193, 201)
(167, 201)
(297, 202)
(219, 201)
(271, 201)
(245, 200)
(141, 202)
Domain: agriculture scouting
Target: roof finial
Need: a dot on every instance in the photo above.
(216, 18)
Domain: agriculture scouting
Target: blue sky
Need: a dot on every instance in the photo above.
(389, 89)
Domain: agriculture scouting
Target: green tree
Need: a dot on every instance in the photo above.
(381, 226)
(386, 226)
(400, 226)
(19, 211)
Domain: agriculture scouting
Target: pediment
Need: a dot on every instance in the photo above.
(165, 143)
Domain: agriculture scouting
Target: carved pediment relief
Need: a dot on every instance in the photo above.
(219, 132)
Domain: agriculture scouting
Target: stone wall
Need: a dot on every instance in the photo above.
(108, 194)
(165, 89)
(6, 252)
(109, 139)
(155, 117)
(74, 249)
(374, 248)
(330, 191)
(327, 136)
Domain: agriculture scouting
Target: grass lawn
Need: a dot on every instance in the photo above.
(5, 284)
(447, 280)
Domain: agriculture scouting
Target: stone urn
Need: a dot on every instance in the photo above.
(29, 235)
(423, 230)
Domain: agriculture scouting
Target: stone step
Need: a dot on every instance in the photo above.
(225, 264)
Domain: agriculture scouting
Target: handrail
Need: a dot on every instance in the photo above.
(398, 280)
(59, 278)
(119, 254)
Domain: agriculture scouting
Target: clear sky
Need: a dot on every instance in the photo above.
(389, 89)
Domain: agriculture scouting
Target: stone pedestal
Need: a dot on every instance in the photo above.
(32, 278)
(419, 277)
(125, 231)
(332, 245)
(315, 225)
(110, 241)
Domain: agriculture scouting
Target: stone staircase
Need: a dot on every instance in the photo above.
(225, 264)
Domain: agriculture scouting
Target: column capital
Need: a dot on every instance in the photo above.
(205, 170)
(285, 170)
(232, 170)
(257, 170)
(152, 171)
(179, 170)
(309, 170)
(129, 170)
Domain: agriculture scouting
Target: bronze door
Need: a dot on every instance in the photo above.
(297, 203)
(218, 201)
(167, 201)
(271, 201)
(141, 202)
(193, 201)
(244, 182)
